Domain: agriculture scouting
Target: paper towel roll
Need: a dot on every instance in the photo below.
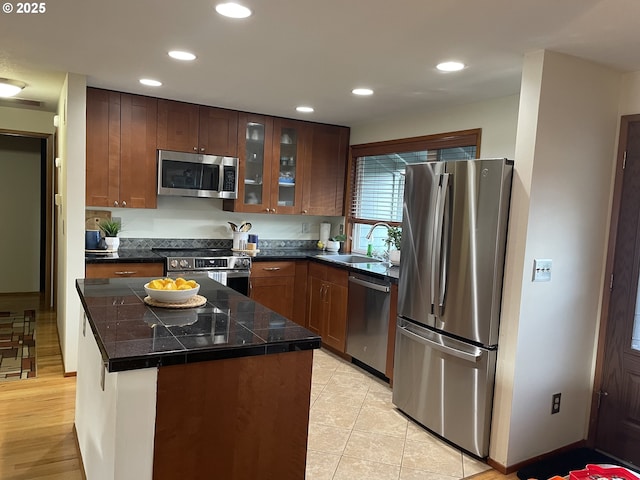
(325, 232)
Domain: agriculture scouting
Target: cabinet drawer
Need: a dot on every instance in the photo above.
(116, 270)
(335, 275)
(273, 269)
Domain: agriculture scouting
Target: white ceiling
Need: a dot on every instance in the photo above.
(293, 52)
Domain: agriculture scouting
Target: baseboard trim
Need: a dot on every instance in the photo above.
(506, 470)
(75, 437)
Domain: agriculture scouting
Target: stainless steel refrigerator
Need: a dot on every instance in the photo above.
(454, 231)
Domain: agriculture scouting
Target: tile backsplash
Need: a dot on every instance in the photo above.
(148, 243)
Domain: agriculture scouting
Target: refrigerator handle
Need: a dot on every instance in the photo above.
(444, 254)
(437, 243)
(470, 357)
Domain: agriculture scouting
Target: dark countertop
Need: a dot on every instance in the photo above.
(378, 269)
(125, 255)
(132, 335)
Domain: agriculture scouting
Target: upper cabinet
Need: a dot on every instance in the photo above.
(290, 167)
(325, 171)
(185, 127)
(121, 150)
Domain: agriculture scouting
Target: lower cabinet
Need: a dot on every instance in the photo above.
(327, 295)
(281, 286)
(124, 269)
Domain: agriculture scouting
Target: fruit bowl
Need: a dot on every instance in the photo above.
(171, 296)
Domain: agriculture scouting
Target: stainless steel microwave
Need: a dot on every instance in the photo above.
(192, 175)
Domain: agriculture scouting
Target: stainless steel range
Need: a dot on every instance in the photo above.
(219, 264)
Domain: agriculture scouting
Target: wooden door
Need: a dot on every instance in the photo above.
(618, 424)
(335, 334)
(138, 174)
(316, 304)
(275, 293)
(177, 126)
(325, 171)
(103, 148)
(218, 131)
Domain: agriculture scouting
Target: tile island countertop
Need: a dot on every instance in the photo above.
(158, 390)
(132, 335)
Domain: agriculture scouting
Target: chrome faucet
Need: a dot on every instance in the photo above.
(373, 227)
(379, 224)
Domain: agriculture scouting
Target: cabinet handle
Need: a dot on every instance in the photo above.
(268, 210)
(125, 273)
(124, 203)
(271, 269)
(273, 210)
(305, 211)
(195, 149)
(115, 203)
(202, 149)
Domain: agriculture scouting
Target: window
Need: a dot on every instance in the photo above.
(377, 182)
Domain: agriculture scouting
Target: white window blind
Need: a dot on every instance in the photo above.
(379, 181)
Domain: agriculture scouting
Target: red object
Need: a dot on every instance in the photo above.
(593, 472)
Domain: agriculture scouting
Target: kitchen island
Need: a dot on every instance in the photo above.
(218, 391)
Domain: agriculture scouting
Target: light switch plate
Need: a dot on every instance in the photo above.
(542, 269)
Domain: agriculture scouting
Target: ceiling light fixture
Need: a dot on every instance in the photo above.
(450, 66)
(180, 55)
(362, 91)
(9, 88)
(150, 83)
(304, 109)
(233, 10)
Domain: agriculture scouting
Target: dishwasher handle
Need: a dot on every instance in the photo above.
(471, 357)
(373, 286)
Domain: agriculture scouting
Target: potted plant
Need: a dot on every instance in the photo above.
(333, 245)
(111, 228)
(394, 239)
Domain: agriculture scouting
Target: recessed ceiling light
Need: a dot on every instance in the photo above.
(233, 10)
(362, 91)
(180, 55)
(304, 109)
(9, 88)
(150, 83)
(450, 66)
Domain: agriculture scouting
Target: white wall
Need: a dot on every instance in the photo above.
(560, 208)
(70, 228)
(25, 120)
(181, 217)
(20, 207)
(497, 118)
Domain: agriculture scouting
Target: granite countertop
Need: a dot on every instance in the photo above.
(378, 269)
(132, 335)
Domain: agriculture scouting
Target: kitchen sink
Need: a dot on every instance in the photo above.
(349, 258)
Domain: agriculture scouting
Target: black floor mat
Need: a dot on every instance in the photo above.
(563, 463)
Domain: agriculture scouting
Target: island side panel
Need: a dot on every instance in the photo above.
(241, 418)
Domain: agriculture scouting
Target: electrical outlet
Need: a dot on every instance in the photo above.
(555, 403)
(305, 228)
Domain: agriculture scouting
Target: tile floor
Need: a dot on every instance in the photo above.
(356, 433)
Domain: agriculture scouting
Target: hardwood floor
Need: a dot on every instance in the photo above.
(36, 415)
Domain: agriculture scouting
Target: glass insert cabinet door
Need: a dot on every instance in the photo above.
(287, 167)
(254, 172)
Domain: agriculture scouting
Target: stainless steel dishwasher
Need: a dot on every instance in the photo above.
(368, 320)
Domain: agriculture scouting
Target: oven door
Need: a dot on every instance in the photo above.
(238, 280)
(235, 279)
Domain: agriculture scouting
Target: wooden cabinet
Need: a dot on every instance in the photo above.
(290, 167)
(185, 127)
(391, 339)
(325, 171)
(123, 269)
(281, 286)
(272, 154)
(121, 150)
(327, 295)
